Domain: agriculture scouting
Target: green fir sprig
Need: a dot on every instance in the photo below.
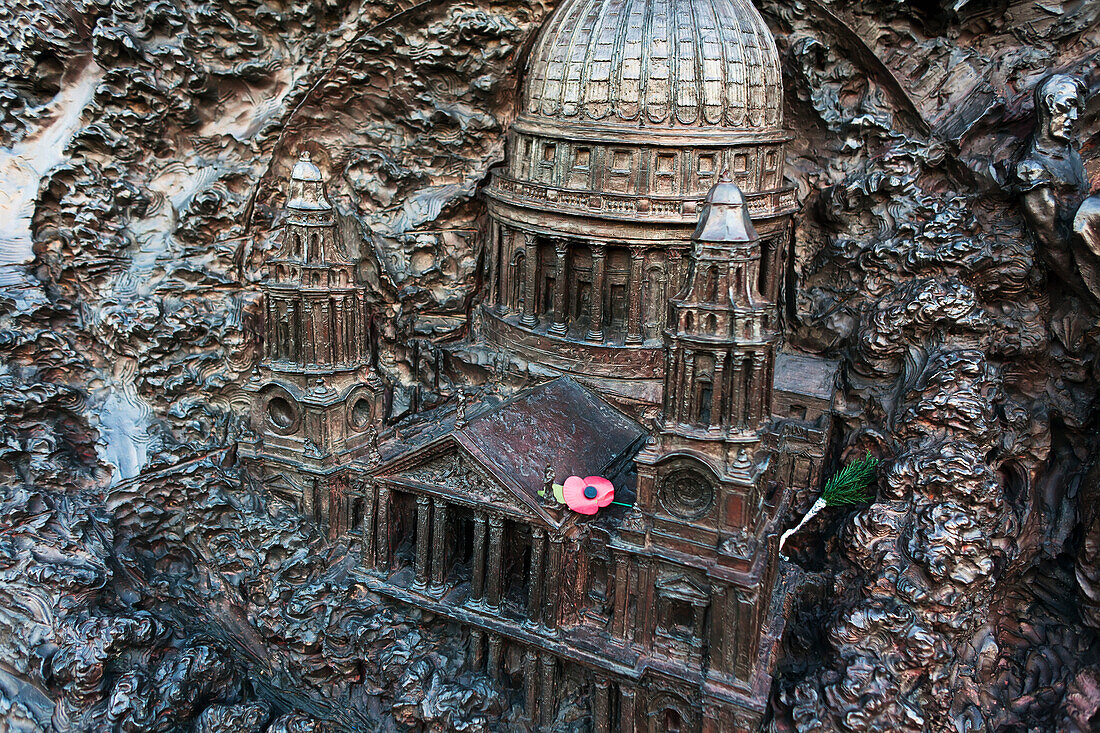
(849, 485)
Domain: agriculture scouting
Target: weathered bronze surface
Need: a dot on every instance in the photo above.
(307, 306)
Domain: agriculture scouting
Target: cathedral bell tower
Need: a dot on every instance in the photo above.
(316, 402)
(704, 497)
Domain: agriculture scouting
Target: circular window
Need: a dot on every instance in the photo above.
(280, 412)
(360, 413)
(687, 493)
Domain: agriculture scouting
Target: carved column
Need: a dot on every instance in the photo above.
(552, 587)
(595, 325)
(492, 273)
(672, 373)
(496, 561)
(293, 350)
(756, 394)
(675, 277)
(716, 416)
(534, 581)
(561, 251)
(687, 388)
(531, 684)
(496, 645)
(531, 263)
(718, 649)
(477, 649)
(634, 314)
(477, 581)
(370, 499)
(737, 396)
(439, 544)
(626, 710)
(305, 505)
(601, 707)
(423, 528)
(549, 706)
(337, 326)
(618, 623)
(322, 499)
(649, 601)
(383, 534)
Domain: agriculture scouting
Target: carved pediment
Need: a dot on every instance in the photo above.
(455, 472)
(682, 588)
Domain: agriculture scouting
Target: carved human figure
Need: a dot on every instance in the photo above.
(1051, 180)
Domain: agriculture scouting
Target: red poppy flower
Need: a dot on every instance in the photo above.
(587, 495)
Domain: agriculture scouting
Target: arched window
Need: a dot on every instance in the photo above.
(711, 324)
(671, 721)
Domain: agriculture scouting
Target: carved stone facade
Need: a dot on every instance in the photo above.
(605, 261)
(316, 401)
(665, 611)
(630, 111)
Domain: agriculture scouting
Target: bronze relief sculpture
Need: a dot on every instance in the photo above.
(459, 366)
(1054, 188)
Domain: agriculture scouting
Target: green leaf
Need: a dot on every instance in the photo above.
(849, 485)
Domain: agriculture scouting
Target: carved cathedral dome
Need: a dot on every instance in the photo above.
(613, 64)
(631, 111)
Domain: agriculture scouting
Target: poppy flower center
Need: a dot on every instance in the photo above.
(590, 492)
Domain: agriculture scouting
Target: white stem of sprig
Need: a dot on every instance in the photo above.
(814, 511)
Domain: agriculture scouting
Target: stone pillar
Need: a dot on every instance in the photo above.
(549, 707)
(492, 274)
(439, 544)
(756, 394)
(370, 498)
(322, 501)
(687, 388)
(737, 386)
(675, 274)
(531, 264)
(477, 581)
(291, 348)
(627, 722)
(716, 416)
(647, 614)
(595, 326)
(531, 684)
(618, 623)
(305, 504)
(534, 581)
(347, 514)
(382, 536)
(423, 528)
(552, 587)
(601, 707)
(496, 648)
(477, 649)
(561, 250)
(634, 314)
(496, 561)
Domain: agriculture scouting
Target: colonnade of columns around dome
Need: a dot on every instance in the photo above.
(602, 292)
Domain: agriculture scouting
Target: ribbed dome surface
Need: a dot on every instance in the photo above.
(642, 63)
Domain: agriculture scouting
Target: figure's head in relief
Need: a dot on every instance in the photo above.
(1059, 101)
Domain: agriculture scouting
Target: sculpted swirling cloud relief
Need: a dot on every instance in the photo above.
(149, 584)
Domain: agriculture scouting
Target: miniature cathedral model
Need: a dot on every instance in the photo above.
(620, 258)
